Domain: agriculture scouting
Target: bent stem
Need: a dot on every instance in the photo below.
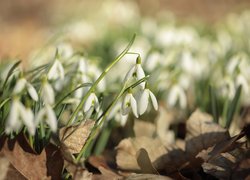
(118, 58)
(103, 117)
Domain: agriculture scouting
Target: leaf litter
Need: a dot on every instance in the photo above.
(153, 153)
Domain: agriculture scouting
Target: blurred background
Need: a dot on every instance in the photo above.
(25, 25)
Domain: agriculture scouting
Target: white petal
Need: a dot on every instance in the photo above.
(125, 108)
(123, 119)
(129, 74)
(172, 96)
(20, 85)
(51, 118)
(32, 92)
(60, 70)
(97, 107)
(89, 102)
(48, 94)
(28, 120)
(53, 74)
(143, 101)
(140, 74)
(82, 66)
(154, 100)
(40, 116)
(133, 106)
(182, 99)
(89, 112)
(13, 122)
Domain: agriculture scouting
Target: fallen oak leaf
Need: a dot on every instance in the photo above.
(73, 138)
(47, 165)
(144, 162)
(127, 149)
(202, 133)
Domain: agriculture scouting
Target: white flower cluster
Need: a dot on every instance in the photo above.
(129, 102)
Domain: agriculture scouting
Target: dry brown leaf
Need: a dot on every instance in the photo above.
(224, 160)
(74, 137)
(227, 165)
(144, 162)
(202, 133)
(142, 128)
(147, 176)
(46, 165)
(107, 174)
(127, 149)
(163, 122)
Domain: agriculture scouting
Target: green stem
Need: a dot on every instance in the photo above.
(103, 117)
(79, 107)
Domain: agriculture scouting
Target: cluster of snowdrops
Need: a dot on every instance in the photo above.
(179, 64)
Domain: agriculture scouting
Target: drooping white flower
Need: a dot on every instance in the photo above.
(177, 94)
(47, 93)
(48, 115)
(13, 122)
(90, 104)
(22, 84)
(18, 116)
(56, 71)
(128, 103)
(136, 71)
(241, 80)
(32, 91)
(144, 100)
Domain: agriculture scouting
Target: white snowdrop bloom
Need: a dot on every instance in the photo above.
(32, 92)
(82, 65)
(29, 122)
(47, 93)
(144, 100)
(18, 116)
(227, 87)
(176, 94)
(137, 72)
(13, 122)
(20, 85)
(48, 115)
(65, 50)
(91, 103)
(241, 80)
(128, 103)
(56, 71)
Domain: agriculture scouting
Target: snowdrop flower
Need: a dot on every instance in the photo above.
(241, 80)
(65, 50)
(18, 116)
(177, 93)
(136, 71)
(128, 103)
(22, 84)
(48, 115)
(47, 93)
(90, 104)
(116, 114)
(144, 100)
(56, 71)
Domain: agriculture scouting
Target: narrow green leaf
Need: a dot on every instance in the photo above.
(10, 73)
(233, 106)
(214, 105)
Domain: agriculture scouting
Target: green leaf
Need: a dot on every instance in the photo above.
(233, 106)
(214, 105)
(9, 74)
